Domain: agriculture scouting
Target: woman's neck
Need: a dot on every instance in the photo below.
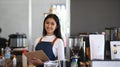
(49, 34)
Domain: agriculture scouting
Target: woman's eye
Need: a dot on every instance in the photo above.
(52, 23)
(47, 22)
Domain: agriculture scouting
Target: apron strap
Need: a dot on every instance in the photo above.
(54, 40)
(51, 42)
(40, 39)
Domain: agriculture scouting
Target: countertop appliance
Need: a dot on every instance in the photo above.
(17, 40)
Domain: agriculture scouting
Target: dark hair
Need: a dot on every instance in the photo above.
(57, 31)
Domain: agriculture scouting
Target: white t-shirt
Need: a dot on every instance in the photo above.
(58, 47)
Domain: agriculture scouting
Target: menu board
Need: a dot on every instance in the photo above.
(37, 54)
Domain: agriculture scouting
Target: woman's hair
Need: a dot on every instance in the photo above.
(57, 31)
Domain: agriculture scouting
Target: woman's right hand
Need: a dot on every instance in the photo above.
(36, 61)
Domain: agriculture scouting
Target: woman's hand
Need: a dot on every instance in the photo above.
(36, 61)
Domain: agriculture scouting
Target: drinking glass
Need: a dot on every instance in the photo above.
(51, 64)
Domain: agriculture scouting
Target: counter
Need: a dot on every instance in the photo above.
(105, 63)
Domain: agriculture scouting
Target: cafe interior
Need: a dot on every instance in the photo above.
(93, 24)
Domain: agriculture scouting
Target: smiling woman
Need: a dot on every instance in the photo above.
(51, 42)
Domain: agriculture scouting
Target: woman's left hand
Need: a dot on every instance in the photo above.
(36, 61)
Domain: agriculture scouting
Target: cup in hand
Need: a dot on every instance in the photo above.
(51, 64)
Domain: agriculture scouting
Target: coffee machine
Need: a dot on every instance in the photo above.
(17, 40)
(75, 45)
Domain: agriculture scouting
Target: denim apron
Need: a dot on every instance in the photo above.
(47, 48)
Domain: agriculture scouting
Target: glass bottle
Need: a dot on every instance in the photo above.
(2, 53)
(24, 59)
(7, 52)
(74, 62)
(14, 61)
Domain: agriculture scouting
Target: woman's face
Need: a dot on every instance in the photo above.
(50, 26)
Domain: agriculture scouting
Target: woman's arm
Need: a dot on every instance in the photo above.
(60, 49)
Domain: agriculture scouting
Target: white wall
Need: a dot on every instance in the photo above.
(14, 16)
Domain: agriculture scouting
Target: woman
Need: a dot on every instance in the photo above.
(51, 42)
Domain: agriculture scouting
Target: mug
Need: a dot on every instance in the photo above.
(51, 64)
